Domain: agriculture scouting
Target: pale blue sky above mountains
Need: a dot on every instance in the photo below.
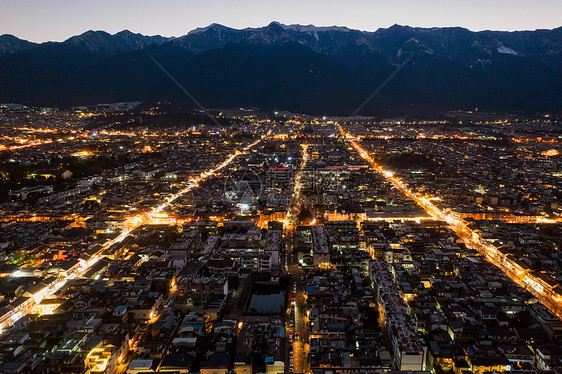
(57, 20)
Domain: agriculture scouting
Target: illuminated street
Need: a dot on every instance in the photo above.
(553, 301)
(299, 345)
(130, 225)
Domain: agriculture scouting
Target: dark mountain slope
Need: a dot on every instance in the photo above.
(325, 70)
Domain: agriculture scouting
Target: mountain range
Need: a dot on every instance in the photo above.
(321, 70)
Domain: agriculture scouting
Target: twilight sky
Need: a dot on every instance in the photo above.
(42, 20)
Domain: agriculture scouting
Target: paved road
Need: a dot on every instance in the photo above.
(297, 281)
(297, 295)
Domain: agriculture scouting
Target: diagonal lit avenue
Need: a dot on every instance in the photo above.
(552, 300)
(30, 304)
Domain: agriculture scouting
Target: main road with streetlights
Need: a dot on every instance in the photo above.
(552, 300)
(299, 344)
(29, 305)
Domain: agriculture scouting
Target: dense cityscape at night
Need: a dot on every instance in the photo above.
(379, 197)
(278, 242)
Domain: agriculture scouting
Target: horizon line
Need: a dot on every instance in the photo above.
(283, 24)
